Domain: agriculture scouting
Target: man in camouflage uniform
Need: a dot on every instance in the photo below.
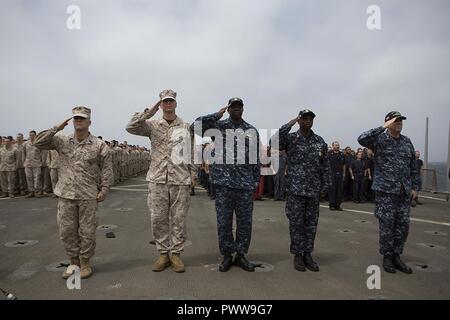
(170, 177)
(308, 175)
(21, 180)
(9, 160)
(395, 182)
(85, 175)
(235, 177)
(33, 167)
(53, 166)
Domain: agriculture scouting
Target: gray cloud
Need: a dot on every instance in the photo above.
(279, 56)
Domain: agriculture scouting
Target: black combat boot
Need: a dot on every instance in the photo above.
(241, 261)
(310, 263)
(400, 265)
(226, 263)
(299, 263)
(388, 264)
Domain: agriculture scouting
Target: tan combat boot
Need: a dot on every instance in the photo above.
(162, 262)
(73, 261)
(86, 270)
(38, 194)
(11, 195)
(3, 195)
(177, 264)
(30, 195)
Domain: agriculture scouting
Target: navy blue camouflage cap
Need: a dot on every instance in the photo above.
(306, 112)
(394, 114)
(235, 100)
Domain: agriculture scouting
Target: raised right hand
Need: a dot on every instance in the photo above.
(154, 109)
(388, 123)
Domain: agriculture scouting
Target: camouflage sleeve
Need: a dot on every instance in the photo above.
(106, 172)
(206, 122)
(326, 175)
(46, 140)
(369, 138)
(283, 133)
(137, 124)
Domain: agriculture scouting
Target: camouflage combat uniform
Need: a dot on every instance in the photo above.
(9, 159)
(21, 179)
(33, 167)
(308, 174)
(234, 182)
(169, 177)
(53, 166)
(85, 168)
(395, 176)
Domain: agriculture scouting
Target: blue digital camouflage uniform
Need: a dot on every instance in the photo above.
(308, 174)
(395, 175)
(234, 182)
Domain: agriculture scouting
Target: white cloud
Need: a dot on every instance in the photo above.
(279, 56)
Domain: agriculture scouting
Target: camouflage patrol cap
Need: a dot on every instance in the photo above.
(81, 111)
(394, 114)
(306, 112)
(235, 100)
(168, 94)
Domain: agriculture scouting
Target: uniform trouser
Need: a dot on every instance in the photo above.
(54, 177)
(8, 180)
(279, 185)
(33, 179)
(240, 202)
(116, 173)
(369, 192)
(77, 224)
(392, 211)
(169, 206)
(348, 187)
(259, 189)
(21, 180)
(46, 179)
(303, 215)
(123, 172)
(358, 188)
(335, 190)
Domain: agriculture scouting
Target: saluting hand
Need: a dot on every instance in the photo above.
(293, 121)
(388, 123)
(222, 111)
(64, 124)
(154, 109)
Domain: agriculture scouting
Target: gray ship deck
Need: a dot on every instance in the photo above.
(346, 244)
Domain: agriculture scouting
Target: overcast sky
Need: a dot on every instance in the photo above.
(278, 56)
